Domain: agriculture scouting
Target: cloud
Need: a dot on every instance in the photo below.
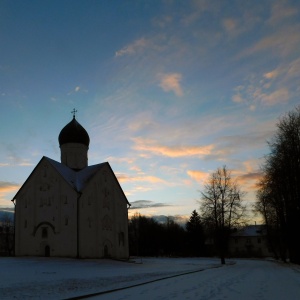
(199, 176)
(276, 86)
(7, 209)
(179, 219)
(231, 26)
(129, 178)
(248, 181)
(6, 188)
(282, 42)
(133, 48)
(162, 219)
(77, 89)
(155, 148)
(255, 139)
(139, 204)
(279, 96)
(245, 178)
(171, 82)
(280, 11)
(237, 98)
(271, 75)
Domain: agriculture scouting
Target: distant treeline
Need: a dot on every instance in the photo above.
(148, 237)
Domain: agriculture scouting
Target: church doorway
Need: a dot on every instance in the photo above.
(47, 251)
(106, 252)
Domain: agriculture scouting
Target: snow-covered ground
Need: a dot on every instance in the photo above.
(60, 278)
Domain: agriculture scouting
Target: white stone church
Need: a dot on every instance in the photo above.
(70, 209)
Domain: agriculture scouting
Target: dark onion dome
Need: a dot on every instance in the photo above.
(73, 132)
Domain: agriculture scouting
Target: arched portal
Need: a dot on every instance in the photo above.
(106, 252)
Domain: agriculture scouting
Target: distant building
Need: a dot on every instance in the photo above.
(70, 209)
(249, 241)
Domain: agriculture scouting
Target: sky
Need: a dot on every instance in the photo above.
(167, 90)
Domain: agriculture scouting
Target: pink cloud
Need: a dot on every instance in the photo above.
(199, 176)
(171, 82)
(171, 151)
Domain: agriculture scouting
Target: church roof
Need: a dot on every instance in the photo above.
(78, 180)
(73, 132)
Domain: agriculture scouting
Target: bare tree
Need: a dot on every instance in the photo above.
(221, 207)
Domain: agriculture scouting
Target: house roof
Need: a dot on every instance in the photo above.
(250, 230)
(78, 180)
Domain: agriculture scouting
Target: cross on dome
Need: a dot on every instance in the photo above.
(74, 111)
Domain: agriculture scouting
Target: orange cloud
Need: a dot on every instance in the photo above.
(249, 176)
(198, 175)
(174, 151)
(7, 188)
(171, 82)
(128, 178)
(272, 74)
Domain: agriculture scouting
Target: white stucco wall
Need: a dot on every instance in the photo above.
(74, 155)
(103, 217)
(46, 201)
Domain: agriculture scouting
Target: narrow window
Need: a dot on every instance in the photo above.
(44, 232)
(25, 224)
(121, 239)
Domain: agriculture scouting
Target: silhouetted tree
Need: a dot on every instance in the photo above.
(221, 207)
(195, 234)
(282, 182)
(175, 239)
(147, 237)
(272, 211)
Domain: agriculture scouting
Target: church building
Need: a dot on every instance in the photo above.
(70, 209)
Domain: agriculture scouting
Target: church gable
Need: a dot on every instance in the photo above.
(41, 173)
(102, 175)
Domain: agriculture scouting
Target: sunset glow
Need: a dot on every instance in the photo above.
(167, 90)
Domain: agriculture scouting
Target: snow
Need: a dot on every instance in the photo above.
(204, 278)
